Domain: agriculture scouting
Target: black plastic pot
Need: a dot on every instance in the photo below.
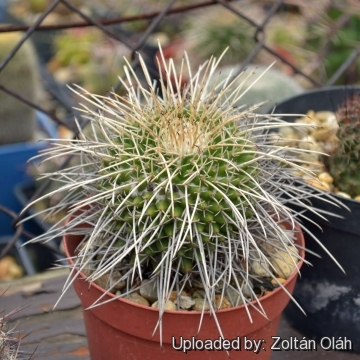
(330, 298)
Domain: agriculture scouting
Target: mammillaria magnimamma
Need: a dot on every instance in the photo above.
(180, 189)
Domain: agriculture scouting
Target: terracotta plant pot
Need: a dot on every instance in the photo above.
(123, 330)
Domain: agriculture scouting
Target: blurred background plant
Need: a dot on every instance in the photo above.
(316, 36)
(88, 58)
(333, 36)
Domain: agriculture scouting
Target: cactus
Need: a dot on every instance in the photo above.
(181, 189)
(18, 120)
(8, 346)
(344, 162)
(10, 339)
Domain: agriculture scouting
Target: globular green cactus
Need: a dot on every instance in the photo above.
(21, 75)
(344, 163)
(180, 180)
(181, 189)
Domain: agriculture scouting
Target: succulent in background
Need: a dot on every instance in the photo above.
(335, 46)
(179, 190)
(344, 163)
(21, 75)
(37, 6)
(210, 32)
(88, 58)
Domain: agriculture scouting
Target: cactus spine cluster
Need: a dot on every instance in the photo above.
(180, 189)
(10, 339)
(181, 179)
(344, 162)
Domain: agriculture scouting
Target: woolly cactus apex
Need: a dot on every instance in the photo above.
(344, 163)
(181, 189)
(21, 75)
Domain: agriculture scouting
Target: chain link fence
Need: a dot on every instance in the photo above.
(328, 41)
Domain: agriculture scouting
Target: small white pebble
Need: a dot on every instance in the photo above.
(260, 268)
(309, 143)
(326, 178)
(201, 304)
(137, 299)
(184, 302)
(343, 194)
(284, 262)
(318, 184)
(287, 131)
(168, 306)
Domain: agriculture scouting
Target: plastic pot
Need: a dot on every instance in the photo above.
(13, 162)
(123, 330)
(330, 298)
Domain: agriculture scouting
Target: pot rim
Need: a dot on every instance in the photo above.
(318, 91)
(299, 240)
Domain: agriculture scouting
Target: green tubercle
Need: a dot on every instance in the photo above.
(188, 169)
